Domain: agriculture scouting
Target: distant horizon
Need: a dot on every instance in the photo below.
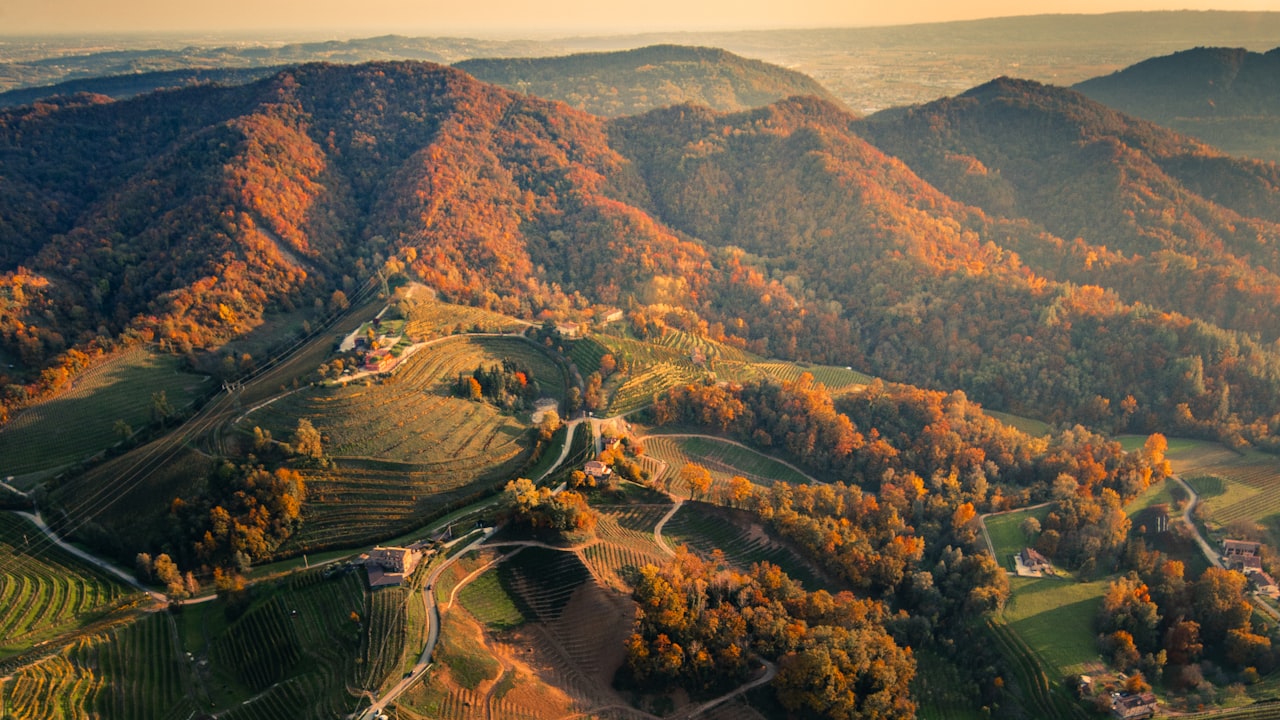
(48, 20)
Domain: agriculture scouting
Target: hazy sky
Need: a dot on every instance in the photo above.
(528, 17)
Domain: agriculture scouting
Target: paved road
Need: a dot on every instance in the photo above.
(94, 560)
(1210, 554)
(429, 597)
(433, 631)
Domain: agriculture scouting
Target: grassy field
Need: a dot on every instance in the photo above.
(1055, 618)
(1034, 428)
(46, 592)
(80, 422)
(1006, 536)
(1158, 494)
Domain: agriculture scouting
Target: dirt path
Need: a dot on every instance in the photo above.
(657, 528)
(986, 536)
(1209, 553)
(94, 560)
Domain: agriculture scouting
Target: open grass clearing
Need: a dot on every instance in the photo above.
(1055, 618)
(1159, 494)
(81, 421)
(1030, 426)
(1006, 534)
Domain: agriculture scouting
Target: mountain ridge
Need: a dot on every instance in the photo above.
(780, 229)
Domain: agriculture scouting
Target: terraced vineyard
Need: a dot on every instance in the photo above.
(405, 447)
(400, 418)
(51, 593)
(388, 620)
(691, 346)
(357, 501)
(641, 387)
(837, 379)
(704, 529)
(586, 353)
(301, 664)
(489, 601)
(723, 459)
(544, 607)
(1041, 698)
(132, 672)
(626, 534)
(80, 422)
(679, 357)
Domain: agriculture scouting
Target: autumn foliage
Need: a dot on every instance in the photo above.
(700, 624)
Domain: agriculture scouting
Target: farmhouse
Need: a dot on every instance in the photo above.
(1030, 562)
(596, 469)
(390, 565)
(1242, 555)
(379, 360)
(1133, 707)
(611, 315)
(569, 329)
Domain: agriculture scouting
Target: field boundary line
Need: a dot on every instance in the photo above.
(735, 443)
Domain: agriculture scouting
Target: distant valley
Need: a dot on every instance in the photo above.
(656, 382)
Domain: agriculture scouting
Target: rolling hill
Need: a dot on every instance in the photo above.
(779, 230)
(1228, 97)
(1130, 200)
(633, 81)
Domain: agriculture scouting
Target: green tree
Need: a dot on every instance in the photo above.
(160, 407)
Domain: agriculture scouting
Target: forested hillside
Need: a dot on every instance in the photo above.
(1131, 200)
(937, 292)
(1094, 277)
(1228, 97)
(633, 81)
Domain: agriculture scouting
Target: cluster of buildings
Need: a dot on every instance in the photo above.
(1246, 557)
(1133, 706)
(389, 566)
